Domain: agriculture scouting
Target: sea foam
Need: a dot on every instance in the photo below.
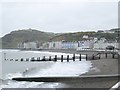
(64, 69)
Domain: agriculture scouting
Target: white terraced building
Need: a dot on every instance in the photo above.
(32, 45)
(54, 45)
(60, 45)
(28, 45)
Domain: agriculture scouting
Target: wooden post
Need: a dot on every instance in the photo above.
(61, 58)
(16, 59)
(99, 56)
(37, 58)
(21, 59)
(11, 59)
(73, 57)
(32, 59)
(67, 58)
(80, 57)
(93, 57)
(113, 56)
(86, 56)
(106, 55)
(55, 58)
(43, 58)
(49, 58)
(27, 59)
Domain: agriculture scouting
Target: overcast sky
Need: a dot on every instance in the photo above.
(58, 16)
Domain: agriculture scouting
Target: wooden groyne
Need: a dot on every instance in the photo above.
(68, 58)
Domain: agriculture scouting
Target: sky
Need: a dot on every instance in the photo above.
(58, 16)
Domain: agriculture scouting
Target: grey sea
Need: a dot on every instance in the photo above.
(10, 68)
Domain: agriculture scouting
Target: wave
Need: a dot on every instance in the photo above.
(13, 75)
(15, 84)
(53, 53)
(8, 50)
(63, 69)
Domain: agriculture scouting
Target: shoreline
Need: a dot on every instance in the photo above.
(107, 63)
(102, 66)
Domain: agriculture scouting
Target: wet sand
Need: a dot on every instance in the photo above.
(100, 67)
(104, 67)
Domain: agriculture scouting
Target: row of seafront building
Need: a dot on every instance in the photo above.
(79, 45)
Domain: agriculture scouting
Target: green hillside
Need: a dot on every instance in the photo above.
(12, 39)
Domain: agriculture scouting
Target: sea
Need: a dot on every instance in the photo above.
(12, 66)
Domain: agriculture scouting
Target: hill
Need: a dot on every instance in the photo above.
(78, 36)
(12, 39)
(72, 36)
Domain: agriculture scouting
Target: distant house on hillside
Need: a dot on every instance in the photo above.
(100, 31)
(109, 31)
(85, 36)
(112, 30)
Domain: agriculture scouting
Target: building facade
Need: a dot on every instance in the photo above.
(85, 45)
(103, 44)
(60, 45)
(28, 45)
(55, 45)
(69, 45)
